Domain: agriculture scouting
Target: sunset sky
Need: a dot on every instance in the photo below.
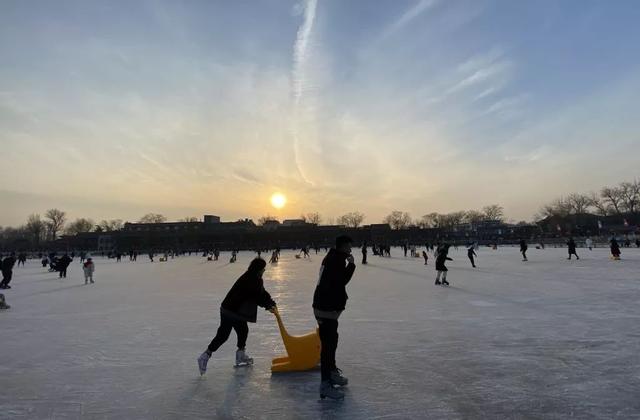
(113, 109)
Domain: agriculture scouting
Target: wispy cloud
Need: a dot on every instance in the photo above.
(408, 16)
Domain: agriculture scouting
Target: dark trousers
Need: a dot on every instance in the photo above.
(329, 344)
(573, 253)
(364, 258)
(6, 277)
(473, 263)
(63, 272)
(224, 330)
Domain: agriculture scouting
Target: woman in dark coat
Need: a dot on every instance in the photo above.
(239, 307)
(615, 249)
(440, 265)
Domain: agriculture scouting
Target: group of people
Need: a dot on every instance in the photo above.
(329, 301)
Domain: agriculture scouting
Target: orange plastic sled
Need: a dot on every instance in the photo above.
(303, 351)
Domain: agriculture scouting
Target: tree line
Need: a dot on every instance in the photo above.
(618, 200)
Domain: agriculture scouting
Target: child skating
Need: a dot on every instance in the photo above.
(523, 249)
(440, 265)
(239, 307)
(426, 257)
(88, 267)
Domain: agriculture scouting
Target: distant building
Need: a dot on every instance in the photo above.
(295, 222)
(209, 219)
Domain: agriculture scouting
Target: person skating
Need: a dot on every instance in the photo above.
(234, 256)
(45, 261)
(7, 270)
(571, 244)
(589, 244)
(364, 253)
(615, 249)
(63, 264)
(88, 267)
(426, 257)
(441, 268)
(329, 301)
(239, 307)
(471, 253)
(523, 249)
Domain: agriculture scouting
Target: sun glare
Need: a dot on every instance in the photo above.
(278, 200)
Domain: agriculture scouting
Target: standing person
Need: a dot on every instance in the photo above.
(405, 247)
(7, 270)
(234, 256)
(64, 264)
(615, 249)
(572, 248)
(88, 267)
(151, 256)
(239, 307)
(471, 253)
(441, 269)
(426, 257)
(523, 249)
(589, 243)
(22, 259)
(329, 301)
(364, 253)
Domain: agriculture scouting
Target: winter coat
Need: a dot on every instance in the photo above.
(335, 273)
(88, 268)
(572, 246)
(441, 260)
(8, 263)
(64, 262)
(245, 296)
(523, 246)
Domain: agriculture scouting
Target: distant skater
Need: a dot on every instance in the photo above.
(615, 249)
(572, 248)
(364, 253)
(589, 244)
(234, 256)
(441, 268)
(239, 307)
(471, 253)
(426, 257)
(7, 270)
(63, 264)
(523, 249)
(88, 267)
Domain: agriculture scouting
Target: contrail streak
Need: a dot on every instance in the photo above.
(300, 54)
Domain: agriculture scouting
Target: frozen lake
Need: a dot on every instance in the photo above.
(550, 338)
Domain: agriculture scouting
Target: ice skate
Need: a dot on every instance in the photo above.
(202, 362)
(445, 283)
(337, 378)
(328, 391)
(437, 283)
(242, 359)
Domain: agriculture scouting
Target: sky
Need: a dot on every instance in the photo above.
(113, 109)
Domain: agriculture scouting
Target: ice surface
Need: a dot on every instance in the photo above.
(550, 338)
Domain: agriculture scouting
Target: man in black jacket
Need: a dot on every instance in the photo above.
(7, 270)
(239, 307)
(329, 300)
(64, 264)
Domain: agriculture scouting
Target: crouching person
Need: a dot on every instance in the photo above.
(239, 307)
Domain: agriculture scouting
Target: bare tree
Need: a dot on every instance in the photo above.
(613, 197)
(36, 228)
(190, 219)
(352, 219)
(431, 220)
(56, 219)
(153, 218)
(602, 208)
(312, 217)
(265, 219)
(109, 225)
(80, 225)
(398, 220)
(558, 208)
(630, 196)
(474, 216)
(494, 212)
(578, 203)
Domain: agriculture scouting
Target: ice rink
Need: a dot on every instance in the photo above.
(549, 338)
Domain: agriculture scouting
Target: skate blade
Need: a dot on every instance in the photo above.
(241, 365)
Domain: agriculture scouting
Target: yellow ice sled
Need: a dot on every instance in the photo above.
(303, 351)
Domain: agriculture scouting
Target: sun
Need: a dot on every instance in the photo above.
(278, 200)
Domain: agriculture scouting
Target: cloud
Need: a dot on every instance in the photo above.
(407, 17)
